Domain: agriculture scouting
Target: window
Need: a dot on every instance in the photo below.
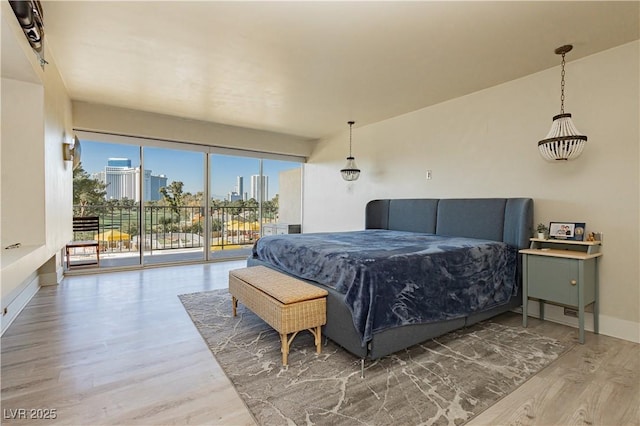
(165, 202)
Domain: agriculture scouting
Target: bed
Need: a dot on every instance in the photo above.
(419, 269)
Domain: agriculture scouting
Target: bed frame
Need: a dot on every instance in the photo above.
(509, 220)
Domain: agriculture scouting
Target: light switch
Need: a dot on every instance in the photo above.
(428, 174)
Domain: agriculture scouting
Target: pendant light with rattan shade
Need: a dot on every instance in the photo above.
(564, 141)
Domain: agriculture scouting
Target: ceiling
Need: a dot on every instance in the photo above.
(305, 68)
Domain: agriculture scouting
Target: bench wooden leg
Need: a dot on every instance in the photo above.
(284, 348)
(317, 334)
(234, 305)
(285, 342)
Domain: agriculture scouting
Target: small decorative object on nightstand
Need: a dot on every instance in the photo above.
(542, 230)
(563, 272)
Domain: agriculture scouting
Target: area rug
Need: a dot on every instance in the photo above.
(447, 380)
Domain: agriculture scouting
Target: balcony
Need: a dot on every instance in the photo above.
(170, 234)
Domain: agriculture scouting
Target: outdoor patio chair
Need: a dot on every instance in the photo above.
(84, 224)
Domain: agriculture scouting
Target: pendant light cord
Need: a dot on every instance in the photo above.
(351, 123)
(562, 87)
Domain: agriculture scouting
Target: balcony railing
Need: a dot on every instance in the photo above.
(168, 228)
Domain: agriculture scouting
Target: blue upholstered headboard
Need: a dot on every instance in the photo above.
(499, 219)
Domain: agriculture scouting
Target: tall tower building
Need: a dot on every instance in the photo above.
(155, 183)
(260, 187)
(239, 185)
(122, 182)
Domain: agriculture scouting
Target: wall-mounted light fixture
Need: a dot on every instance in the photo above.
(351, 171)
(71, 151)
(564, 141)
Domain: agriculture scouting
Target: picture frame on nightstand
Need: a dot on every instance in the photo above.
(567, 231)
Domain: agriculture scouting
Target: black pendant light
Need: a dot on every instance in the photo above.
(351, 171)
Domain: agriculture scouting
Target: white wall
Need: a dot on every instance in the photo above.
(23, 166)
(36, 183)
(485, 145)
(290, 196)
(122, 121)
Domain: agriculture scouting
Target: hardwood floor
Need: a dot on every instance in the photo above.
(597, 383)
(119, 348)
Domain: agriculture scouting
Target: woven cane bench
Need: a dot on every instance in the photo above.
(285, 303)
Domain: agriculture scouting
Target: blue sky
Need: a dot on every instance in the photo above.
(186, 166)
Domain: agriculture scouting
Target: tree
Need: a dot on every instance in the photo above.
(87, 191)
(236, 207)
(127, 202)
(173, 196)
(216, 225)
(131, 228)
(251, 210)
(270, 208)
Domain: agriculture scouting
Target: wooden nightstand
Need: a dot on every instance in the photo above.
(562, 272)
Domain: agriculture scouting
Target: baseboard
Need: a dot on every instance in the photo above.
(19, 302)
(609, 326)
(622, 329)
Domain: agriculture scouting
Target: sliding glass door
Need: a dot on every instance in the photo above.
(233, 206)
(106, 184)
(174, 220)
(251, 197)
(167, 202)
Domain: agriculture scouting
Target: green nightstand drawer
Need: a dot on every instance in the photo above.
(551, 278)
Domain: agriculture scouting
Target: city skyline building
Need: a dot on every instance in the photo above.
(155, 183)
(239, 186)
(260, 187)
(234, 196)
(237, 194)
(123, 181)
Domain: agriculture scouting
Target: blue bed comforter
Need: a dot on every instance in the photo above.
(394, 278)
